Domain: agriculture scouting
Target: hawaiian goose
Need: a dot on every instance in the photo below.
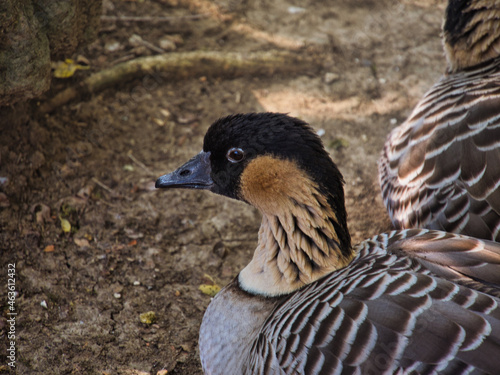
(405, 302)
(441, 168)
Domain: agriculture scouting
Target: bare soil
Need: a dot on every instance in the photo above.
(132, 249)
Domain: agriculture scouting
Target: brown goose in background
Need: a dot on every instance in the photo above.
(441, 168)
(408, 302)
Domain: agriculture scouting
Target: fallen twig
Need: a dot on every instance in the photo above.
(113, 193)
(123, 58)
(151, 19)
(105, 187)
(137, 40)
(140, 164)
(183, 65)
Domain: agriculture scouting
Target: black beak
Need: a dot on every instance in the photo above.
(195, 174)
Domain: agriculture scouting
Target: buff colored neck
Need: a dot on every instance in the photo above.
(298, 243)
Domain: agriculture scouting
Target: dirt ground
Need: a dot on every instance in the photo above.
(92, 164)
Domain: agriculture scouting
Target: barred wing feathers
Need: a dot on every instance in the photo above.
(387, 313)
(465, 260)
(441, 168)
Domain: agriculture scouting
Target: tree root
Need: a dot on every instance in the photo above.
(183, 65)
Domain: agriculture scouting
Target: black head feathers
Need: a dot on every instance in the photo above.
(279, 141)
(273, 134)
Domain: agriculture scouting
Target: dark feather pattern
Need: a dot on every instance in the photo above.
(413, 301)
(408, 315)
(440, 169)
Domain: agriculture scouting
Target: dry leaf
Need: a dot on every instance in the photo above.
(207, 277)
(81, 242)
(49, 248)
(66, 68)
(148, 317)
(210, 290)
(65, 225)
(43, 215)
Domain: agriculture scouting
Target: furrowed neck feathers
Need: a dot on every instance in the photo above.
(301, 237)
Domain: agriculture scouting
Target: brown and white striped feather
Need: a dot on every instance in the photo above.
(411, 302)
(441, 168)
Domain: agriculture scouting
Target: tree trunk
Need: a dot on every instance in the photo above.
(33, 31)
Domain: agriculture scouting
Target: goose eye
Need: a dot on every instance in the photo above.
(235, 155)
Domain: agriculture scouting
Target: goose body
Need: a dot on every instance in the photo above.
(383, 314)
(406, 302)
(440, 169)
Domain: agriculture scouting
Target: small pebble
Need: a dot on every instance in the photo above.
(113, 46)
(117, 295)
(167, 44)
(330, 77)
(159, 121)
(295, 10)
(137, 283)
(394, 121)
(320, 132)
(44, 304)
(166, 113)
(128, 168)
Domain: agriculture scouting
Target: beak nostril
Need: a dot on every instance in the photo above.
(195, 174)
